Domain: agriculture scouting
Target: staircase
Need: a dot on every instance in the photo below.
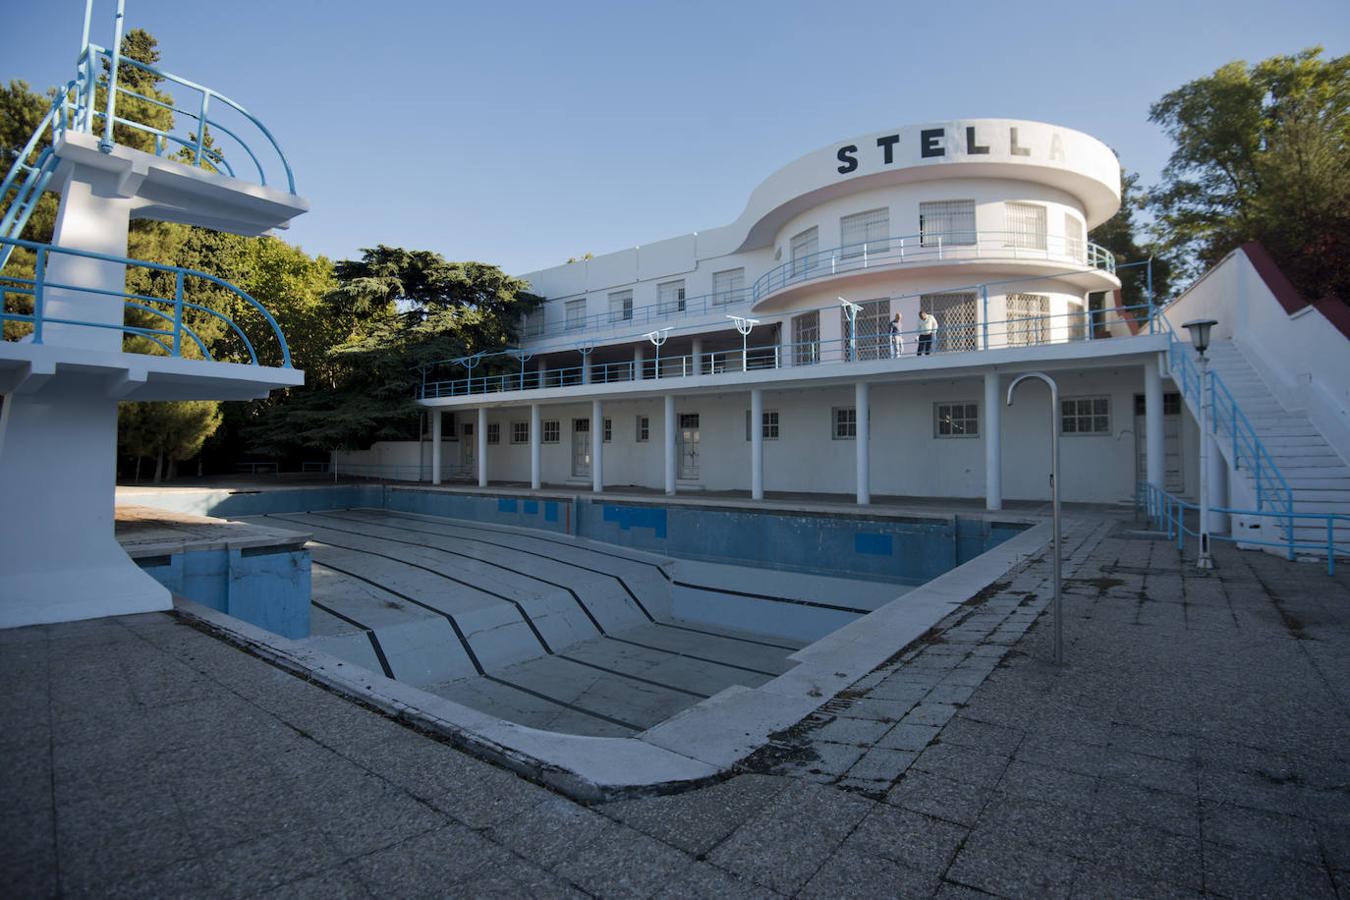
(1317, 477)
(30, 173)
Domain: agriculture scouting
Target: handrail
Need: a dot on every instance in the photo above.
(1168, 509)
(661, 311)
(890, 252)
(1022, 331)
(38, 286)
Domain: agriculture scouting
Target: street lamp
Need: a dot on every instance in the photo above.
(1054, 501)
(1199, 329)
(744, 326)
(659, 337)
(851, 311)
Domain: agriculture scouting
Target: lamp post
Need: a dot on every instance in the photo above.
(1199, 329)
(1054, 502)
(744, 326)
(659, 337)
(851, 311)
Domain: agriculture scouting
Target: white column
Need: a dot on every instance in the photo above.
(696, 354)
(785, 344)
(597, 447)
(1153, 425)
(436, 445)
(864, 461)
(672, 427)
(639, 353)
(1218, 485)
(482, 446)
(993, 442)
(535, 438)
(757, 444)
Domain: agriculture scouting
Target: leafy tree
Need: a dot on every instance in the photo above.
(1262, 152)
(1119, 234)
(166, 432)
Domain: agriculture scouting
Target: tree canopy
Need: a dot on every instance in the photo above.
(1262, 152)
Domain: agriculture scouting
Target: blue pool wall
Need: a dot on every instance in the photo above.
(267, 586)
(904, 550)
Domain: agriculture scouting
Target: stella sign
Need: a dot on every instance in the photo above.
(941, 142)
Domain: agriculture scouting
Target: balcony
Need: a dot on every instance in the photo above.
(669, 311)
(928, 249)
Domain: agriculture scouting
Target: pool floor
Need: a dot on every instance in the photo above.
(550, 631)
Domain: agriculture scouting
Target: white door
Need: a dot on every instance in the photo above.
(581, 448)
(1173, 479)
(688, 440)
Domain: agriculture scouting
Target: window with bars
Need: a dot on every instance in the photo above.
(1026, 226)
(494, 433)
(644, 429)
(621, 306)
(806, 339)
(551, 432)
(1085, 415)
(670, 296)
(768, 425)
(520, 432)
(872, 330)
(581, 426)
(947, 222)
(804, 248)
(575, 310)
(1075, 245)
(728, 286)
(865, 232)
(688, 420)
(844, 420)
(956, 420)
(1028, 319)
(957, 319)
(609, 431)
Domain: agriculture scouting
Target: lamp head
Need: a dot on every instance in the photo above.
(1199, 329)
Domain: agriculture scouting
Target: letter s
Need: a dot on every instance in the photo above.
(847, 158)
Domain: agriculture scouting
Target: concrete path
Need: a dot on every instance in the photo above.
(1197, 742)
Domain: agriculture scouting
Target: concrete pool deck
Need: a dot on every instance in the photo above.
(1195, 743)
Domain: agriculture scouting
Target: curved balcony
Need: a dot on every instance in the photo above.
(928, 249)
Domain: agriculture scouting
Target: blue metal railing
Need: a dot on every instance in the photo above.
(1229, 424)
(1169, 511)
(173, 333)
(892, 252)
(638, 315)
(1022, 331)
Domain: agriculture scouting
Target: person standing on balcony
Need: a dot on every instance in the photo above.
(897, 337)
(927, 328)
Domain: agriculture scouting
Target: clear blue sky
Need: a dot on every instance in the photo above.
(523, 133)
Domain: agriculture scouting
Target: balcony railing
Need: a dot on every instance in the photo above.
(927, 248)
(1026, 331)
(664, 311)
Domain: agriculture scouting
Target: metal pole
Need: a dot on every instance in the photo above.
(1204, 561)
(1055, 530)
(106, 145)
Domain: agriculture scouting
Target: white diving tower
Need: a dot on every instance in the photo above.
(78, 340)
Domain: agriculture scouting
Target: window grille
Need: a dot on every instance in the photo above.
(520, 432)
(552, 432)
(1085, 415)
(845, 421)
(621, 306)
(576, 314)
(644, 429)
(670, 297)
(956, 420)
(768, 425)
(806, 339)
(1028, 319)
(956, 318)
(1026, 226)
(609, 431)
(581, 426)
(872, 329)
(728, 286)
(870, 228)
(948, 222)
(688, 420)
(1075, 246)
(804, 248)
(494, 434)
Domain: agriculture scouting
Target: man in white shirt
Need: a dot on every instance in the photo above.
(927, 328)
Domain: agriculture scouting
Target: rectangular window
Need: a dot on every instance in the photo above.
(1085, 415)
(1026, 226)
(520, 432)
(728, 287)
(688, 420)
(494, 435)
(1028, 319)
(953, 420)
(644, 429)
(670, 297)
(621, 306)
(768, 425)
(1171, 404)
(575, 311)
(957, 319)
(804, 248)
(552, 432)
(864, 232)
(609, 431)
(806, 339)
(581, 426)
(845, 421)
(533, 324)
(1075, 246)
(946, 223)
(872, 330)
